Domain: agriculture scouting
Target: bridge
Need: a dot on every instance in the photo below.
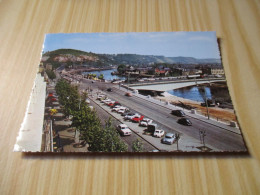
(170, 85)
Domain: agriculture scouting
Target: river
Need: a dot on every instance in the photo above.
(211, 92)
(107, 74)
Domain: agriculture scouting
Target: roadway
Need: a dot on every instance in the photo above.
(216, 137)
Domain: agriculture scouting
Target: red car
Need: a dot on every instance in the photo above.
(53, 99)
(114, 104)
(137, 119)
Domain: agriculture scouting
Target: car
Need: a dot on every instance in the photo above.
(124, 130)
(185, 121)
(109, 89)
(169, 138)
(179, 113)
(109, 102)
(145, 122)
(126, 113)
(100, 97)
(136, 119)
(130, 116)
(116, 108)
(115, 104)
(128, 94)
(158, 133)
(87, 101)
(122, 110)
(105, 100)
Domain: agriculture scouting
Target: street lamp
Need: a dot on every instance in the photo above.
(202, 137)
(177, 138)
(128, 80)
(205, 99)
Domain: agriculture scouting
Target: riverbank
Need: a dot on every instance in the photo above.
(215, 112)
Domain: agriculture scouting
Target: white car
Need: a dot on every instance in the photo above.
(145, 122)
(106, 100)
(130, 116)
(122, 110)
(124, 130)
(100, 97)
(158, 133)
(118, 108)
(87, 101)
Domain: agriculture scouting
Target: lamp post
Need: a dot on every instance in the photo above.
(202, 136)
(177, 138)
(205, 99)
(128, 80)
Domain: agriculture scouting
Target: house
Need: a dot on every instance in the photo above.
(162, 71)
(48, 66)
(217, 71)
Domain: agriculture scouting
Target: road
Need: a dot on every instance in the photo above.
(127, 139)
(217, 138)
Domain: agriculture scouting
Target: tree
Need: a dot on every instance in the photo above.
(101, 76)
(50, 74)
(137, 146)
(121, 68)
(107, 140)
(68, 96)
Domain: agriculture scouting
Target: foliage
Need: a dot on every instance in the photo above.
(121, 68)
(137, 146)
(100, 139)
(50, 74)
(101, 76)
(68, 96)
(107, 140)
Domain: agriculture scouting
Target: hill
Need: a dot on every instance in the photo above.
(77, 57)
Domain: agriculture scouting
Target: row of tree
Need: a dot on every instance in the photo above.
(100, 138)
(50, 74)
(92, 76)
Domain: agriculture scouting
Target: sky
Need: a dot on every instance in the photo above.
(168, 44)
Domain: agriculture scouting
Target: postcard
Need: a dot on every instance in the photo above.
(130, 93)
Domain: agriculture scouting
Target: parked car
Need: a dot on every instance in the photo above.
(128, 94)
(124, 130)
(100, 97)
(87, 101)
(130, 116)
(109, 102)
(109, 89)
(116, 108)
(151, 128)
(122, 110)
(169, 138)
(115, 104)
(179, 113)
(136, 119)
(158, 133)
(105, 100)
(126, 113)
(145, 122)
(185, 121)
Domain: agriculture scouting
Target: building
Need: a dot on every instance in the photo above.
(217, 71)
(48, 66)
